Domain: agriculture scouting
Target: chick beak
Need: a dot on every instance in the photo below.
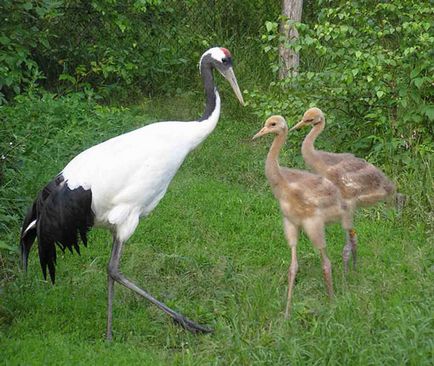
(262, 132)
(297, 126)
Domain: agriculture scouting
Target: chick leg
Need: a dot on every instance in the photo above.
(350, 250)
(291, 234)
(316, 233)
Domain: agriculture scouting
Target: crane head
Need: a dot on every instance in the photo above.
(274, 124)
(312, 117)
(221, 59)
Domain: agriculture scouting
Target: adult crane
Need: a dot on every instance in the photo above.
(117, 182)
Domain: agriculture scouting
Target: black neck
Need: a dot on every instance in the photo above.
(210, 89)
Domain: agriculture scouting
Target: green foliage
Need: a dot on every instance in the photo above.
(75, 45)
(369, 66)
(19, 35)
(119, 49)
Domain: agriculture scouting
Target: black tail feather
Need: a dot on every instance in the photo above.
(62, 214)
(48, 258)
(28, 236)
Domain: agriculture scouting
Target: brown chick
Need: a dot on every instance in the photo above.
(359, 182)
(306, 200)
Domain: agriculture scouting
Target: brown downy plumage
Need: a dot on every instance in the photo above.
(359, 182)
(307, 201)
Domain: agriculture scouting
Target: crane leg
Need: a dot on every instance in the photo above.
(115, 275)
(315, 231)
(350, 249)
(291, 234)
(353, 239)
(327, 272)
(292, 272)
(111, 286)
(346, 256)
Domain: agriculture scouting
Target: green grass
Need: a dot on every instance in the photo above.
(214, 250)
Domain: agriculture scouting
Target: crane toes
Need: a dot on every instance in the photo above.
(191, 325)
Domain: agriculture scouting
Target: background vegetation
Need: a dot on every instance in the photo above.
(121, 50)
(74, 73)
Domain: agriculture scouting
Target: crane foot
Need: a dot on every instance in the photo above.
(191, 325)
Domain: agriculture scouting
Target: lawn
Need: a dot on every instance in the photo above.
(214, 250)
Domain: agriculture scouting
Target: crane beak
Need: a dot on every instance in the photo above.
(297, 126)
(230, 76)
(262, 132)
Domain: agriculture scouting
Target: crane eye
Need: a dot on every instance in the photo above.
(225, 60)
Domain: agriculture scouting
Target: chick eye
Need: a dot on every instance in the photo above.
(273, 124)
(309, 120)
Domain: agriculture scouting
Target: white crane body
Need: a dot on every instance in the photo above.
(115, 183)
(129, 174)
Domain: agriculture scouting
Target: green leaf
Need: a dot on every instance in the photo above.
(309, 40)
(310, 75)
(3, 245)
(4, 40)
(67, 77)
(44, 42)
(121, 25)
(27, 5)
(429, 112)
(380, 93)
(270, 26)
(418, 82)
(415, 72)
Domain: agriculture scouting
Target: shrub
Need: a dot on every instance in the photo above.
(369, 66)
(119, 49)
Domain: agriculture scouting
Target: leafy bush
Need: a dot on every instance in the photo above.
(119, 49)
(369, 66)
(19, 36)
(74, 45)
